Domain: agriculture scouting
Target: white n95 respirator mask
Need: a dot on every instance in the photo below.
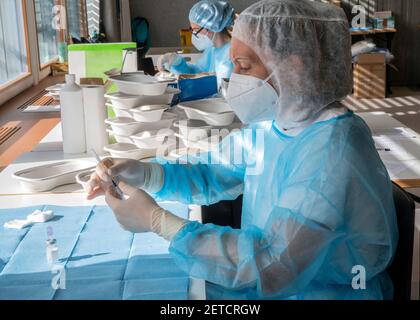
(252, 99)
(202, 41)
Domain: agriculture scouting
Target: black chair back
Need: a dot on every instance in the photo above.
(401, 267)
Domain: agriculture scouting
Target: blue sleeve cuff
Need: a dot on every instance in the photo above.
(187, 228)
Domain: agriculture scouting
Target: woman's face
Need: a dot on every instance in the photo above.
(246, 61)
(195, 28)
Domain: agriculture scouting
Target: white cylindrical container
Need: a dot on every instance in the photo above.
(95, 116)
(72, 117)
(129, 61)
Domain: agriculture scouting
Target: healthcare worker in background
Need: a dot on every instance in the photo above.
(318, 219)
(210, 21)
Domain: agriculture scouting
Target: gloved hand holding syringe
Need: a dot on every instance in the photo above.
(114, 183)
(146, 176)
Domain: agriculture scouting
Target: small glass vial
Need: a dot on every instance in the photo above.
(51, 248)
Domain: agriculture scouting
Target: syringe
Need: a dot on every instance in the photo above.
(117, 188)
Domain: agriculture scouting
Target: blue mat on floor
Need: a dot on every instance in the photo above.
(100, 259)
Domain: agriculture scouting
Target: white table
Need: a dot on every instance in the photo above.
(403, 162)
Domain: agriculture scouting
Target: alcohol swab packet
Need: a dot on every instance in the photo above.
(17, 224)
(39, 216)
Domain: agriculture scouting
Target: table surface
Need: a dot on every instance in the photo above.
(100, 260)
(403, 161)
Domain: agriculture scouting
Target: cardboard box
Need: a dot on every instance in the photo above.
(382, 14)
(91, 81)
(369, 76)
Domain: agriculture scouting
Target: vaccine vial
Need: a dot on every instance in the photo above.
(51, 248)
(52, 251)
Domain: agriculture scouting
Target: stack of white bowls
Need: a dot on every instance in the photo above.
(207, 118)
(142, 124)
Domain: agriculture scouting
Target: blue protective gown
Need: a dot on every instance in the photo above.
(314, 206)
(214, 60)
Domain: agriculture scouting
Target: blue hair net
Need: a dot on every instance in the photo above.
(213, 15)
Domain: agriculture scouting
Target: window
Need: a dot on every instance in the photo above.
(73, 16)
(26, 25)
(93, 15)
(52, 43)
(47, 35)
(13, 51)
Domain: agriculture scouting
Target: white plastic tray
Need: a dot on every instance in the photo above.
(139, 84)
(120, 112)
(193, 130)
(83, 177)
(131, 151)
(215, 112)
(50, 176)
(127, 101)
(124, 126)
(128, 127)
(148, 113)
(118, 137)
(151, 139)
(206, 144)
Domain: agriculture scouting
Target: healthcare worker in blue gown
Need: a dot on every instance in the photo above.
(210, 22)
(318, 219)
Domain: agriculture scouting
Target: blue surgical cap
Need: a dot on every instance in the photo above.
(213, 15)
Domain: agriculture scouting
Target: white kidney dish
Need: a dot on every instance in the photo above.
(151, 139)
(215, 112)
(83, 178)
(148, 113)
(206, 145)
(118, 137)
(167, 120)
(193, 130)
(124, 126)
(127, 101)
(131, 151)
(120, 112)
(50, 176)
(126, 150)
(139, 84)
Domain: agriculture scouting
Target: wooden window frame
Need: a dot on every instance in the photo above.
(24, 76)
(36, 71)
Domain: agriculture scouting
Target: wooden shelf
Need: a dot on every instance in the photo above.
(372, 31)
